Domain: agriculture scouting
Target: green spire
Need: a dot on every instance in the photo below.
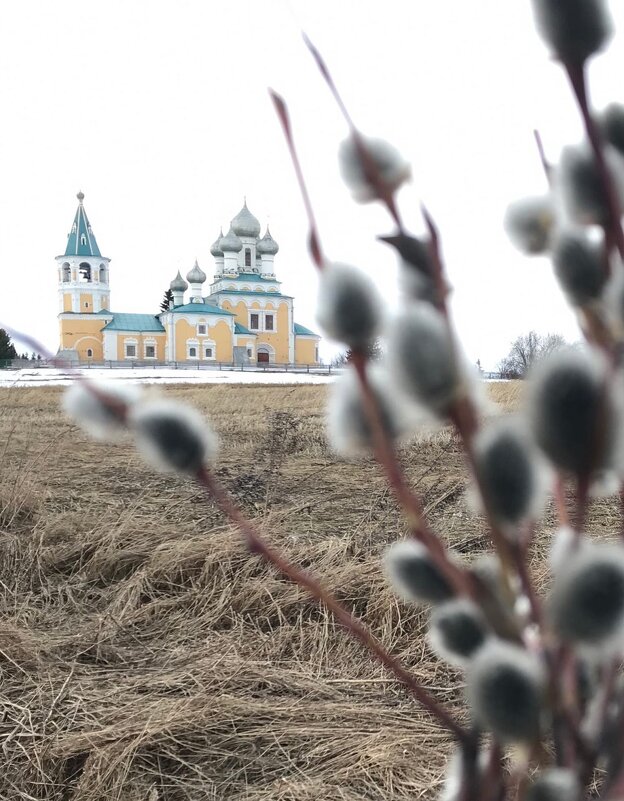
(81, 239)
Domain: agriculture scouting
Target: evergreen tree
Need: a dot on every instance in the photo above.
(166, 301)
(7, 351)
(374, 351)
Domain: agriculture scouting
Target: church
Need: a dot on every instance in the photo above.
(242, 317)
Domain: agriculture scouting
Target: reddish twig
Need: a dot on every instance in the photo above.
(371, 171)
(436, 259)
(578, 79)
(315, 242)
(386, 456)
(546, 165)
(383, 447)
(352, 624)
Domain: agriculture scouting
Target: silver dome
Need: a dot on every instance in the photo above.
(215, 248)
(230, 243)
(196, 275)
(178, 284)
(245, 224)
(267, 245)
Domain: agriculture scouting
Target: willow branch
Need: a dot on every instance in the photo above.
(578, 80)
(351, 623)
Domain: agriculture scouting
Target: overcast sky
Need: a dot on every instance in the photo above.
(158, 111)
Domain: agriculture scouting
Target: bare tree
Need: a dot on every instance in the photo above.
(526, 350)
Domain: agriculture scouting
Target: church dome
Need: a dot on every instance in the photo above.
(230, 243)
(215, 248)
(196, 275)
(267, 245)
(178, 284)
(245, 224)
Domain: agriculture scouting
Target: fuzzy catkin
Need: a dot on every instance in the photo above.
(611, 122)
(507, 468)
(555, 784)
(580, 187)
(505, 691)
(586, 604)
(349, 306)
(422, 359)
(392, 169)
(347, 423)
(457, 630)
(580, 266)
(529, 223)
(414, 573)
(572, 413)
(573, 29)
(99, 408)
(173, 437)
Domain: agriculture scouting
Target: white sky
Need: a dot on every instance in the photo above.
(158, 111)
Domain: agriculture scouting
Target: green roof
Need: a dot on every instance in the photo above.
(241, 329)
(301, 329)
(81, 239)
(137, 323)
(249, 292)
(202, 308)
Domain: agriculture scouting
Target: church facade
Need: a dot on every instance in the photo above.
(242, 317)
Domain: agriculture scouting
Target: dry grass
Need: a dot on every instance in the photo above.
(145, 656)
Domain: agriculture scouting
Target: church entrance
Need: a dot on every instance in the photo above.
(263, 356)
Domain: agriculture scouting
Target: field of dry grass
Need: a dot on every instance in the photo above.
(145, 656)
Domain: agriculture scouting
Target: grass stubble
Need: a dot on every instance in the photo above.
(146, 656)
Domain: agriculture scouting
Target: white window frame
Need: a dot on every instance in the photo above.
(133, 343)
(273, 315)
(209, 343)
(150, 343)
(258, 314)
(201, 333)
(192, 343)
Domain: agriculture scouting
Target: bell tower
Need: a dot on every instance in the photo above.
(83, 280)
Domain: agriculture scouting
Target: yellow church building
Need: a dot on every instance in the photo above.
(243, 318)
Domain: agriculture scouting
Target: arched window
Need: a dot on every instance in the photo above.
(66, 270)
(247, 257)
(83, 239)
(103, 273)
(84, 271)
(89, 353)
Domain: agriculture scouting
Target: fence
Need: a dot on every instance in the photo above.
(268, 367)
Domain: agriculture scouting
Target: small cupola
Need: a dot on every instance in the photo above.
(230, 243)
(215, 248)
(245, 224)
(267, 246)
(196, 275)
(178, 284)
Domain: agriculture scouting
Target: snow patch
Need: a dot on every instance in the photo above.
(50, 376)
